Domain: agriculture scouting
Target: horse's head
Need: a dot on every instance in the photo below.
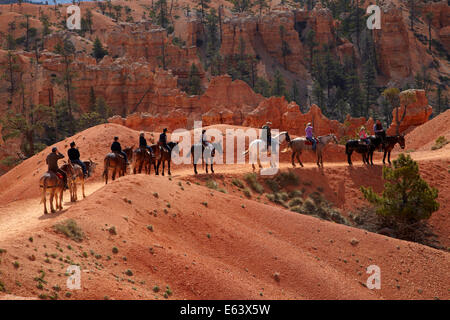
(334, 138)
(92, 166)
(288, 138)
(401, 141)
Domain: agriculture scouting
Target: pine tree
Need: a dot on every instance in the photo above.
(261, 4)
(278, 85)
(406, 197)
(98, 52)
(194, 81)
(311, 44)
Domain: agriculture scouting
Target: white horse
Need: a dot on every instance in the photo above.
(260, 145)
(299, 144)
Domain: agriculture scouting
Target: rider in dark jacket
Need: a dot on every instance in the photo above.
(163, 140)
(52, 162)
(117, 148)
(266, 134)
(379, 133)
(143, 143)
(74, 157)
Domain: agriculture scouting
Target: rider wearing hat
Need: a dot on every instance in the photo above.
(143, 143)
(52, 162)
(74, 157)
(266, 134)
(163, 140)
(379, 133)
(310, 136)
(363, 135)
(117, 148)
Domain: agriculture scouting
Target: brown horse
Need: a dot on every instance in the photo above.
(389, 144)
(79, 177)
(144, 159)
(165, 156)
(116, 163)
(54, 185)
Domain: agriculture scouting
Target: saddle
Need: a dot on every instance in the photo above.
(309, 143)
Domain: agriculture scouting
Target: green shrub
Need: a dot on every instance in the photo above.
(439, 143)
(297, 209)
(247, 193)
(273, 185)
(296, 202)
(238, 183)
(287, 179)
(253, 182)
(406, 197)
(295, 194)
(70, 229)
(212, 184)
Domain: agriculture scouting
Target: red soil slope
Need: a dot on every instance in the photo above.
(228, 249)
(424, 136)
(248, 241)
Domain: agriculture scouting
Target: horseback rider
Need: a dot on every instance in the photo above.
(143, 143)
(204, 139)
(266, 134)
(363, 135)
(163, 140)
(310, 136)
(117, 148)
(379, 133)
(52, 162)
(74, 157)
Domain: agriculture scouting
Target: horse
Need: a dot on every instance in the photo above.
(261, 145)
(79, 177)
(207, 154)
(165, 155)
(144, 159)
(299, 144)
(389, 144)
(360, 147)
(53, 184)
(117, 163)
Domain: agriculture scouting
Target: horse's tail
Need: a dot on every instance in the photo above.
(44, 189)
(347, 148)
(106, 167)
(188, 154)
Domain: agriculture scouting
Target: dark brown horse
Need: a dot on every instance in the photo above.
(116, 163)
(165, 156)
(143, 159)
(389, 144)
(206, 154)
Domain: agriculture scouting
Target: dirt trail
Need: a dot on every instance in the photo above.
(24, 215)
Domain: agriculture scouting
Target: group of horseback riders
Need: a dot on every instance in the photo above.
(309, 131)
(74, 157)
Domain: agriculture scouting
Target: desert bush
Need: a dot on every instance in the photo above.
(439, 143)
(273, 185)
(238, 183)
(295, 202)
(295, 194)
(288, 178)
(253, 183)
(70, 229)
(247, 193)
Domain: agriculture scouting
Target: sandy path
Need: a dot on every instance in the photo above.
(25, 215)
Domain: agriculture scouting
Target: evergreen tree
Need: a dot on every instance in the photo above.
(406, 197)
(194, 81)
(261, 4)
(242, 5)
(98, 52)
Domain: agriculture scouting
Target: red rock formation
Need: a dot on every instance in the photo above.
(417, 114)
